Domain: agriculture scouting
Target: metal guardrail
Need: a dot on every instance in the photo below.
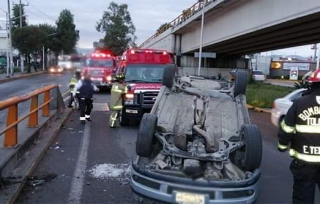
(11, 129)
(186, 14)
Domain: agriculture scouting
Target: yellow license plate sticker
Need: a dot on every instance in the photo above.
(189, 198)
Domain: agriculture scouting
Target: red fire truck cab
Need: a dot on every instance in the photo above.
(143, 69)
(101, 65)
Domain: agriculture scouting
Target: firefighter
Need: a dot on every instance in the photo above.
(86, 89)
(301, 130)
(73, 81)
(117, 91)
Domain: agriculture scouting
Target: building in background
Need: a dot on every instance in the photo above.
(281, 66)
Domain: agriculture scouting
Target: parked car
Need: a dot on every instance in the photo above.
(258, 76)
(282, 105)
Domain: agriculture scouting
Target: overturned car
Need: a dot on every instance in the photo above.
(198, 145)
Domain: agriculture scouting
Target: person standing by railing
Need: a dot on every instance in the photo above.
(86, 89)
(73, 81)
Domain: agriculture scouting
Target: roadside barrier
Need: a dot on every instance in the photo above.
(52, 100)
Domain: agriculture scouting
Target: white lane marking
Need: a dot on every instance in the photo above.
(81, 166)
(67, 98)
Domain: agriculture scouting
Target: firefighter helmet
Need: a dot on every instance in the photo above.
(120, 76)
(315, 77)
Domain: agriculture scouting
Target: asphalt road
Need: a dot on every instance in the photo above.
(100, 173)
(25, 85)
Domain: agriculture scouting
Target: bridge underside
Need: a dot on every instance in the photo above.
(301, 31)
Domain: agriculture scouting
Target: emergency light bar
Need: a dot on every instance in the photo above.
(149, 51)
(100, 55)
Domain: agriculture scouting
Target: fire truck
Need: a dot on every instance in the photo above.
(143, 69)
(101, 65)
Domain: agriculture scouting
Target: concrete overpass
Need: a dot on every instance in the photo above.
(238, 27)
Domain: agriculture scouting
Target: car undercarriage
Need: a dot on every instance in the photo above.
(198, 145)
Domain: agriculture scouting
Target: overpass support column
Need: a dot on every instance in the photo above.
(177, 48)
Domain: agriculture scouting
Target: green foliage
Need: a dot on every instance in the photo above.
(262, 95)
(300, 84)
(119, 30)
(67, 36)
(50, 39)
(162, 27)
(16, 17)
(28, 39)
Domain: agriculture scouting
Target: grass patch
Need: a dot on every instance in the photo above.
(262, 95)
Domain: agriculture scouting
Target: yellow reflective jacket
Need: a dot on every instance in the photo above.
(117, 91)
(72, 83)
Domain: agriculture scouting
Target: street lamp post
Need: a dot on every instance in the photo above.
(8, 47)
(10, 39)
(318, 58)
(201, 36)
(43, 52)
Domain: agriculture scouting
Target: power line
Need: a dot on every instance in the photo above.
(40, 11)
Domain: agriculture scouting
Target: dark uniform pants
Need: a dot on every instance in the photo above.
(305, 177)
(85, 108)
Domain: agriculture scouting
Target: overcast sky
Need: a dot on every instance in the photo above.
(147, 16)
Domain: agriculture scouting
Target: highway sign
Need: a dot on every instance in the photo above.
(205, 55)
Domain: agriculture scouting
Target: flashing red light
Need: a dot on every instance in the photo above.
(164, 53)
(100, 55)
(132, 51)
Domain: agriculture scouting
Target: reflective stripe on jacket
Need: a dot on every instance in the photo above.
(72, 83)
(300, 129)
(117, 91)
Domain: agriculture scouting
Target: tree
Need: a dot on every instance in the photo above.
(67, 36)
(119, 30)
(16, 17)
(50, 39)
(163, 26)
(28, 40)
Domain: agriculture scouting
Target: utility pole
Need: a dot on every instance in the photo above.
(318, 58)
(10, 38)
(21, 57)
(21, 16)
(201, 35)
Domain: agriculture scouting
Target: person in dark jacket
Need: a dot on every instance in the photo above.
(86, 89)
(300, 129)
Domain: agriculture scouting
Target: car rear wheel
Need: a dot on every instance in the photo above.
(252, 149)
(146, 134)
(240, 82)
(124, 121)
(168, 77)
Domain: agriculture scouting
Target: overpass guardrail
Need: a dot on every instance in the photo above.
(186, 14)
(50, 101)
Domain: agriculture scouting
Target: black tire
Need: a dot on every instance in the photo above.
(240, 82)
(168, 77)
(146, 134)
(124, 121)
(253, 147)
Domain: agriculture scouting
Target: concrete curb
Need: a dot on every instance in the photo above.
(258, 109)
(37, 158)
(22, 76)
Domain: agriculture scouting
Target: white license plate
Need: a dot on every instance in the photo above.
(96, 79)
(131, 111)
(189, 198)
